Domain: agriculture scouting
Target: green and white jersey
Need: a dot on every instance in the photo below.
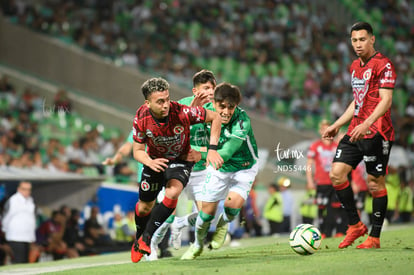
(237, 145)
(199, 136)
(130, 139)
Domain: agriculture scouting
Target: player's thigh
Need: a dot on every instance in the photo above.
(179, 170)
(151, 184)
(195, 185)
(376, 155)
(348, 153)
(241, 184)
(215, 186)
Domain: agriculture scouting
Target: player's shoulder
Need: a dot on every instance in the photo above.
(382, 61)
(142, 113)
(240, 121)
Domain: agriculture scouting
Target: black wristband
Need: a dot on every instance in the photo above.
(212, 147)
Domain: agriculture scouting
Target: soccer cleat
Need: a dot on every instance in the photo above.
(370, 242)
(192, 253)
(219, 236)
(154, 253)
(143, 246)
(135, 254)
(353, 233)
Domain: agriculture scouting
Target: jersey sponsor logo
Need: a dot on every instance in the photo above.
(149, 133)
(388, 74)
(388, 66)
(379, 167)
(175, 165)
(167, 140)
(386, 80)
(370, 158)
(360, 88)
(178, 129)
(145, 185)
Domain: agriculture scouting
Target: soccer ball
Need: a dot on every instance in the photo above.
(305, 239)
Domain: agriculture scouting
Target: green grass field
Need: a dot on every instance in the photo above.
(266, 255)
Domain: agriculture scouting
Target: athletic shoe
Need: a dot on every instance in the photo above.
(370, 242)
(192, 253)
(338, 235)
(219, 236)
(154, 253)
(353, 233)
(135, 254)
(143, 246)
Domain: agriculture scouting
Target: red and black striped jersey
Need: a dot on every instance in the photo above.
(169, 139)
(377, 73)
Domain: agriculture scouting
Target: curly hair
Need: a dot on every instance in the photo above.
(156, 84)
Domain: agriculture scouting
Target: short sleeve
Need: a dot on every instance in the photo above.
(387, 76)
(195, 114)
(138, 133)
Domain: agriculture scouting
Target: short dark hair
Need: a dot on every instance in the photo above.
(203, 77)
(362, 26)
(156, 84)
(229, 92)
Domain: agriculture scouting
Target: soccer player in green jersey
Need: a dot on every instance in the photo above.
(233, 181)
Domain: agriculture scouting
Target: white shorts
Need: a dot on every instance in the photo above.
(218, 184)
(195, 185)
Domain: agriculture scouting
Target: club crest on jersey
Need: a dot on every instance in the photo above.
(145, 185)
(149, 133)
(367, 74)
(178, 129)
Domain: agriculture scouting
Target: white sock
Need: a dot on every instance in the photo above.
(201, 230)
(160, 233)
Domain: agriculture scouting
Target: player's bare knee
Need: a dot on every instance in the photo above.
(336, 177)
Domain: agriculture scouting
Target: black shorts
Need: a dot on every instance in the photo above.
(152, 182)
(374, 151)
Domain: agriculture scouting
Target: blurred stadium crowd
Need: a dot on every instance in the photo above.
(290, 59)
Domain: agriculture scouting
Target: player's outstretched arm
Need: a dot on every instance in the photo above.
(332, 130)
(158, 164)
(122, 152)
(213, 156)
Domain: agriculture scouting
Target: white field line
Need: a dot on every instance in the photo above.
(63, 267)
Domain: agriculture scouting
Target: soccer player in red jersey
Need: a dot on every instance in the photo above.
(369, 136)
(161, 132)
